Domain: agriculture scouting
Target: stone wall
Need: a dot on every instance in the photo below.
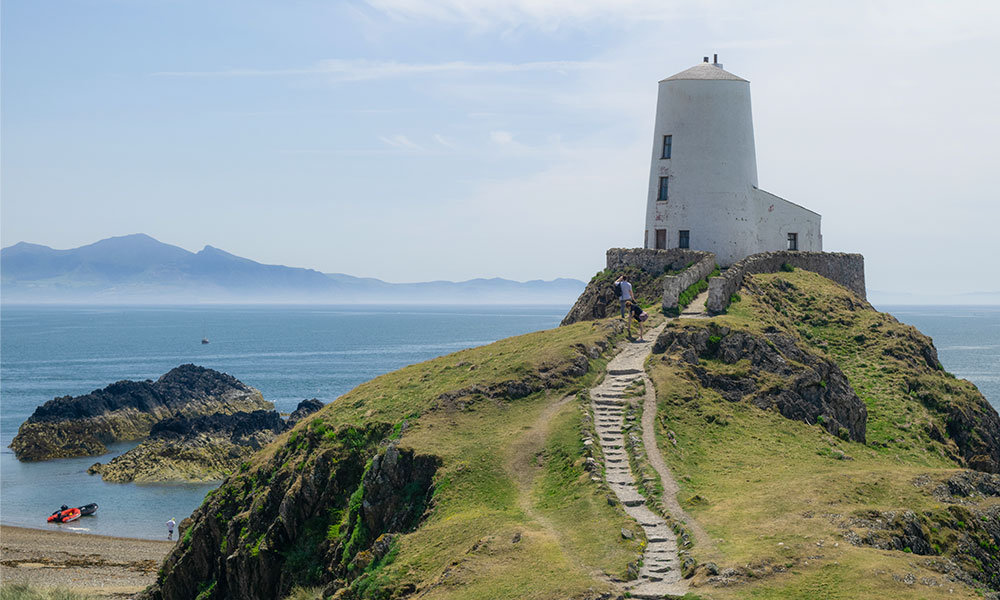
(653, 261)
(846, 269)
(673, 285)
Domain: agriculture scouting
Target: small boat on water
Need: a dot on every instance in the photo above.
(67, 514)
(204, 340)
(64, 515)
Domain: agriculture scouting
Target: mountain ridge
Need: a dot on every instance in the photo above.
(139, 269)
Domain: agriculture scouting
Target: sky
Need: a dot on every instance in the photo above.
(415, 140)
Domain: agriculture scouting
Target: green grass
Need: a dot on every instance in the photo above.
(772, 492)
(513, 513)
(22, 591)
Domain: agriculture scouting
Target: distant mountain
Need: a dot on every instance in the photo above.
(140, 269)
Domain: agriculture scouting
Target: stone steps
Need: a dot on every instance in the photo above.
(659, 576)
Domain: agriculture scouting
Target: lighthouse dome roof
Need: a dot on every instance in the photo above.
(705, 71)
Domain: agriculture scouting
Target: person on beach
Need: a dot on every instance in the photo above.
(170, 528)
(625, 288)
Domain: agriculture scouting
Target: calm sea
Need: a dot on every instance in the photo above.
(967, 339)
(289, 353)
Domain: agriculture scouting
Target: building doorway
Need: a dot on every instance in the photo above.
(661, 239)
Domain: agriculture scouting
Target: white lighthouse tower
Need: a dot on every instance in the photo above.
(703, 190)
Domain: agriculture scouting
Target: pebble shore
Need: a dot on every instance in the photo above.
(102, 566)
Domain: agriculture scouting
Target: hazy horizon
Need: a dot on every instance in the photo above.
(410, 140)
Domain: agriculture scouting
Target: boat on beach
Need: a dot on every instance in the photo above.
(66, 514)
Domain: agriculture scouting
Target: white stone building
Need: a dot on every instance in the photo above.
(703, 190)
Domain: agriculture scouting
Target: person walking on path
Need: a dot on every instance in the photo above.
(170, 528)
(626, 292)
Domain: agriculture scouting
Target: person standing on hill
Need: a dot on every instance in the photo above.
(623, 289)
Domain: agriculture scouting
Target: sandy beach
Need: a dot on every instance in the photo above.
(107, 567)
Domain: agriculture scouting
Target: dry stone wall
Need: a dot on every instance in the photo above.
(846, 269)
(653, 261)
(673, 285)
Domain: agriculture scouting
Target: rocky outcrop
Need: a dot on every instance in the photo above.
(808, 387)
(303, 410)
(128, 410)
(969, 420)
(647, 270)
(268, 528)
(963, 538)
(205, 448)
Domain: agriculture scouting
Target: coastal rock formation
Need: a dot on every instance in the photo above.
(204, 448)
(273, 533)
(303, 410)
(127, 410)
(411, 458)
(811, 388)
(433, 480)
(598, 299)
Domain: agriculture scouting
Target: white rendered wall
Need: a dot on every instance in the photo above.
(778, 217)
(712, 169)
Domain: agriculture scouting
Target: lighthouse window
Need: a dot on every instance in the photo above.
(793, 241)
(664, 182)
(684, 240)
(667, 142)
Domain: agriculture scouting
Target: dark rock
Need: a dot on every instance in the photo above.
(969, 419)
(815, 390)
(274, 520)
(204, 448)
(303, 410)
(127, 410)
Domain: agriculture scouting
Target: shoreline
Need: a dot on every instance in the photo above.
(24, 529)
(98, 565)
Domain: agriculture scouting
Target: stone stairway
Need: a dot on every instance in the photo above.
(660, 574)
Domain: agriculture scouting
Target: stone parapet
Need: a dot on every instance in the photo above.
(846, 269)
(652, 261)
(673, 285)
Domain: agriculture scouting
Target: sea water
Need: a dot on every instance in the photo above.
(288, 353)
(967, 339)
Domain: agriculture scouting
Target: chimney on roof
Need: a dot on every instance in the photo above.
(706, 59)
(715, 61)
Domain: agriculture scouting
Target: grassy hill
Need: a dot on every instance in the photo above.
(794, 511)
(816, 440)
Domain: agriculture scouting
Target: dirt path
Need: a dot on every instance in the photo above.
(670, 487)
(524, 468)
(108, 567)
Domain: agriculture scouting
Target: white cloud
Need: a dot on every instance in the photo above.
(501, 137)
(402, 142)
(445, 142)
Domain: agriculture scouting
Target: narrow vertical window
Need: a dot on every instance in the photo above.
(664, 183)
(793, 241)
(684, 239)
(661, 239)
(668, 140)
